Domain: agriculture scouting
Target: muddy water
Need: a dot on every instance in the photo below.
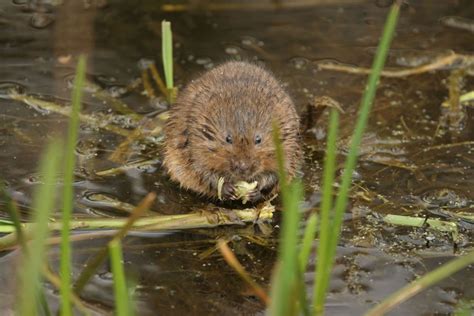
(404, 169)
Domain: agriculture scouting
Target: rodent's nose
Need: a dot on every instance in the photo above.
(240, 165)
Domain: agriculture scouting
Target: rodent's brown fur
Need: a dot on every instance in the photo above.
(242, 100)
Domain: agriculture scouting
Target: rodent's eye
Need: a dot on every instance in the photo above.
(228, 139)
(258, 139)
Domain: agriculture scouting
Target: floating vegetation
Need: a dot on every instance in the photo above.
(436, 224)
(467, 97)
(202, 218)
(101, 121)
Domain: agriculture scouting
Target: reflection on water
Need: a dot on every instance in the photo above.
(404, 169)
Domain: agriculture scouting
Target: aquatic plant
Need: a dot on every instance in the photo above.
(68, 190)
(288, 272)
(34, 254)
(167, 56)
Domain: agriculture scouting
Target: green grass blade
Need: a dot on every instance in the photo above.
(285, 282)
(43, 203)
(167, 52)
(366, 105)
(464, 308)
(167, 55)
(68, 198)
(307, 243)
(323, 263)
(284, 285)
(21, 240)
(122, 298)
(43, 303)
(422, 283)
(351, 160)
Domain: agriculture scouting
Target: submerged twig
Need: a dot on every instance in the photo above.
(114, 102)
(232, 261)
(147, 85)
(452, 60)
(157, 78)
(123, 168)
(66, 111)
(452, 112)
(445, 146)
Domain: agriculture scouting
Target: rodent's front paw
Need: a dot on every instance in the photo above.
(228, 191)
(255, 196)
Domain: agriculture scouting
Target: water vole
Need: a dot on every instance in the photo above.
(221, 127)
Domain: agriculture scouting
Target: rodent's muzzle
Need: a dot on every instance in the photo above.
(242, 168)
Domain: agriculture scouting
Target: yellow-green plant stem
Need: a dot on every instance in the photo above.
(351, 160)
(324, 264)
(68, 191)
(285, 282)
(167, 55)
(122, 299)
(422, 283)
(199, 219)
(307, 243)
(43, 202)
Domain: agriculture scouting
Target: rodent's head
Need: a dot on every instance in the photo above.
(221, 126)
(234, 143)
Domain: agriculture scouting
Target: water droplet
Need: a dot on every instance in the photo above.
(203, 60)
(299, 62)
(249, 41)
(33, 179)
(232, 50)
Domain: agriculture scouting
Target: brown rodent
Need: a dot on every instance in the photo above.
(221, 126)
